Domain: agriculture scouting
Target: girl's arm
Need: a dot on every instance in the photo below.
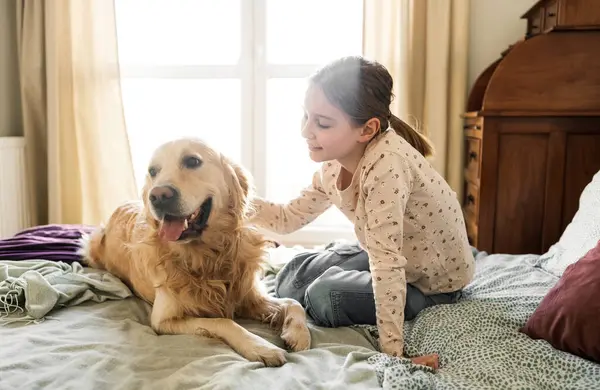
(287, 218)
(389, 185)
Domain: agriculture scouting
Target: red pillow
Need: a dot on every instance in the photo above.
(568, 316)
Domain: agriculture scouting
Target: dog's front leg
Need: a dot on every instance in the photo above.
(167, 318)
(284, 314)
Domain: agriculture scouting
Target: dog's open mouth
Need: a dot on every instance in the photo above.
(174, 228)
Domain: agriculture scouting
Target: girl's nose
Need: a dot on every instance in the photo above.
(305, 132)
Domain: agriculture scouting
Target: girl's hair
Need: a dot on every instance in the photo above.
(363, 90)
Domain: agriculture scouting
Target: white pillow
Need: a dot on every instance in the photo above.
(581, 235)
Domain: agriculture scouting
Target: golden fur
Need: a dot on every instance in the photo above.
(199, 285)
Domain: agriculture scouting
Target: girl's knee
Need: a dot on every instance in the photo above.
(286, 282)
(284, 286)
(294, 277)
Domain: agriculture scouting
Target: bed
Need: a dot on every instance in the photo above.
(110, 345)
(92, 341)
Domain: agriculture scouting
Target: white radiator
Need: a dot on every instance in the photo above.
(14, 187)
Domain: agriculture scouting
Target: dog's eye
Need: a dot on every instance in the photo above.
(152, 171)
(191, 162)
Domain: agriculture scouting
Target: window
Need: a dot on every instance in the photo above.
(233, 72)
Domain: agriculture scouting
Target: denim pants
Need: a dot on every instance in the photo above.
(334, 286)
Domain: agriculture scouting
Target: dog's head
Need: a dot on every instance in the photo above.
(189, 186)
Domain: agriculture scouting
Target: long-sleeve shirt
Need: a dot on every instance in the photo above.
(405, 216)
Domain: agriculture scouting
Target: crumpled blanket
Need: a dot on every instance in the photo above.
(30, 289)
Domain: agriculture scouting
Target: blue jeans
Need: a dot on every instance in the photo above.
(334, 286)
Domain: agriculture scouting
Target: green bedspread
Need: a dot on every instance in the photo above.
(101, 343)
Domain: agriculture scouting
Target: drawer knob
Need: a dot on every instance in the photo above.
(472, 156)
(470, 199)
(551, 14)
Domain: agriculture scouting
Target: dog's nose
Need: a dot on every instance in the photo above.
(163, 196)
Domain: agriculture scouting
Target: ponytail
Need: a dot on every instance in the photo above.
(412, 136)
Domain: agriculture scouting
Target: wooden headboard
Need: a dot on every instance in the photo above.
(532, 131)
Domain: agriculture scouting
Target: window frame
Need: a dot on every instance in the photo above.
(253, 71)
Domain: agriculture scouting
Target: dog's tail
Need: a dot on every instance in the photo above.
(91, 248)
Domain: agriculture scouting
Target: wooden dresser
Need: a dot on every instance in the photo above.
(532, 131)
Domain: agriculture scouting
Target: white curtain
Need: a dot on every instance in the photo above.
(423, 43)
(79, 158)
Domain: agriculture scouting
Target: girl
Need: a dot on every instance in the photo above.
(413, 251)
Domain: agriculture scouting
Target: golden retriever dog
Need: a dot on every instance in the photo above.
(186, 249)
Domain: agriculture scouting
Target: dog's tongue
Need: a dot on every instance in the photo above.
(171, 230)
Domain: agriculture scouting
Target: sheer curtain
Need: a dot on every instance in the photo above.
(423, 43)
(78, 151)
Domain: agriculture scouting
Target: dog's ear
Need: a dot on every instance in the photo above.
(243, 178)
(145, 192)
(148, 218)
(241, 187)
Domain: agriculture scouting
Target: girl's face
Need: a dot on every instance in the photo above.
(328, 131)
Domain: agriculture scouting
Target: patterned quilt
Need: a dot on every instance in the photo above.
(478, 339)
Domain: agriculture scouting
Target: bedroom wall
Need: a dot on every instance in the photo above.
(494, 25)
(10, 99)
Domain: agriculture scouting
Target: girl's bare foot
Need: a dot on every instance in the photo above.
(427, 360)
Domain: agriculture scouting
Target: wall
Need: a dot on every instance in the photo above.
(10, 99)
(494, 25)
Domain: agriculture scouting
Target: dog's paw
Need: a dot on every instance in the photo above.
(257, 349)
(269, 355)
(296, 335)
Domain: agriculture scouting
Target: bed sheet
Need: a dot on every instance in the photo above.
(110, 345)
(478, 339)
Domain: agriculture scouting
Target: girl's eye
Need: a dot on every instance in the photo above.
(316, 121)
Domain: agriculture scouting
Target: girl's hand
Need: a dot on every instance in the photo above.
(427, 360)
